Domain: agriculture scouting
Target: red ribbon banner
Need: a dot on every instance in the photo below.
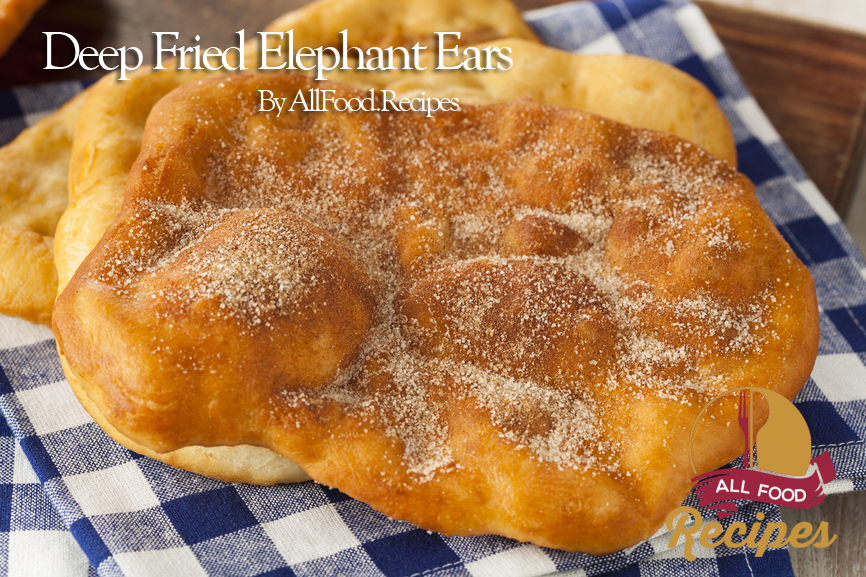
(718, 489)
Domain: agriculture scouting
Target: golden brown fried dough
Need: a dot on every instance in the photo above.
(33, 169)
(402, 22)
(102, 154)
(613, 86)
(498, 320)
(33, 195)
(630, 89)
(109, 136)
(113, 120)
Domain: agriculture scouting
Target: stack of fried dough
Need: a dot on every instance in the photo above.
(502, 319)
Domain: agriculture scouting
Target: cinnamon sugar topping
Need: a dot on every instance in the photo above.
(543, 272)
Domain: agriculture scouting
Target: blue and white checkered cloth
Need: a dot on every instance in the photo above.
(73, 502)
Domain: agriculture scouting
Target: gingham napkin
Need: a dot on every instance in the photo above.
(134, 516)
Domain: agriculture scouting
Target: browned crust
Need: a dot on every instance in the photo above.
(264, 389)
(32, 197)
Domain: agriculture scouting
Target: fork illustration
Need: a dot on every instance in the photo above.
(744, 425)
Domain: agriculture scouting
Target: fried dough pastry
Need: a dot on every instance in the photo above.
(33, 168)
(102, 155)
(636, 91)
(109, 137)
(498, 320)
(630, 89)
(402, 22)
(32, 197)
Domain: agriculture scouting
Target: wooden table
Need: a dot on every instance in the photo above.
(810, 80)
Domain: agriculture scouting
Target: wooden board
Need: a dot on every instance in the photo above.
(844, 517)
(811, 82)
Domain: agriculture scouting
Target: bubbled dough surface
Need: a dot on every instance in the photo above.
(109, 132)
(32, 197)
(630, 89)
(108, 138)
(401, 22)
(34, 188)
(534, 303)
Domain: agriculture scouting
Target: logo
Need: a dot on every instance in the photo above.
(778, 468)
